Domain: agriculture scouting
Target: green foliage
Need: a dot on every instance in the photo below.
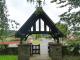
(36, 42)
(63, 28)
(77, 33)
(71, 18)
(68, 57)
(71, 3)
(37, 36)
(73, 42)
(4, 25)
(3, 20)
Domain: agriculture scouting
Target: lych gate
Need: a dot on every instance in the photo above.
(30, 28)
(39, 14)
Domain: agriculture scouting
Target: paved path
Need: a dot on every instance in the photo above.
(43, 52)
(39, 57)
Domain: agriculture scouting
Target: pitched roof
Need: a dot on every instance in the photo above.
(38, 14)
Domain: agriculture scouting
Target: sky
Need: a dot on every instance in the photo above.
(20, 10)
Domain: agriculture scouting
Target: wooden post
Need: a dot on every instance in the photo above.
(44, 27)
(57, 40)
(39, 24)
(34, 27)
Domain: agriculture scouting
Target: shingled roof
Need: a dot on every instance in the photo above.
(38, 14)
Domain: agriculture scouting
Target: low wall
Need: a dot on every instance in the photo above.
(9, 51)
(68, 50)
(65, 50)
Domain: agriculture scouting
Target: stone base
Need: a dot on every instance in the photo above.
(56, 51)
(24, 52)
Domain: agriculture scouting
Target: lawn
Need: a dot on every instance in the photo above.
(14, 57)
(8, 57)
(36, 42)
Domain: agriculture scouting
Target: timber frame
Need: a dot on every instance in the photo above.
(39, 14)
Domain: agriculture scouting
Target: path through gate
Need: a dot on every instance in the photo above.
(43, 51)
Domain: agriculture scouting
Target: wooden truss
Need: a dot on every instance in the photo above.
(39, 15)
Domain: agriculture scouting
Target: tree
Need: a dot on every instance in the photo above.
(71, 18)
(63, 28)
(3, 19)
(71, 3)
(4, 25)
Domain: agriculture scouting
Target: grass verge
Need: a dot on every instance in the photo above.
(8, 57)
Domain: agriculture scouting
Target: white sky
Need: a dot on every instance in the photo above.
(20, 10)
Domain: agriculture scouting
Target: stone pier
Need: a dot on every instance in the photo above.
(24, 52)
(56, 51)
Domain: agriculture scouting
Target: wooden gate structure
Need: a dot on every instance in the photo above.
(29, 27)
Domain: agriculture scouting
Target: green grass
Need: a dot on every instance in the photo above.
(36, 42)
(14, 57)
(8, 57)
(71, 58)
